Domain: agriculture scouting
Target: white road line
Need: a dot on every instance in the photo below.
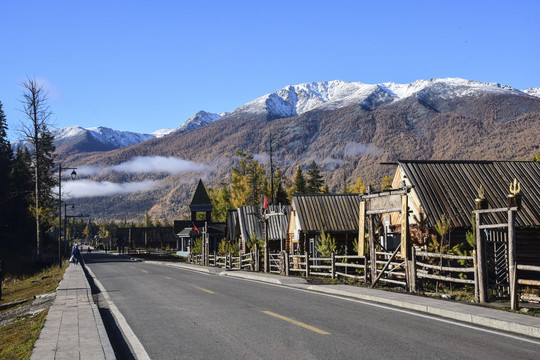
(388, 307)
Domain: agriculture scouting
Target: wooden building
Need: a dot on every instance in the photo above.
(187, 231)
(449, 189)
(247, 221)
(337, 215)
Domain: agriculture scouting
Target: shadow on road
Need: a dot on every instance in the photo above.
(119, 345)
(101, 257)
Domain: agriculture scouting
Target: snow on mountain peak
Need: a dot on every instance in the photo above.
(295, 100)
(201, 118)
(533, 91)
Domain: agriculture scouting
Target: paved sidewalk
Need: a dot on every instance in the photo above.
(455, 310)
(73, 328)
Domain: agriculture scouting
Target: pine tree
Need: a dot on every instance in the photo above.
(299, 181)
(248, 182)
(147, 223)
(6, 159)
(280, 195)
(315, 180)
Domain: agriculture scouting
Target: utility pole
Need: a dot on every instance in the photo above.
(271, 171)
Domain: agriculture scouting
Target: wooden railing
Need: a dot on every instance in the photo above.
(427, 266)
(440, 272)
(529, 282)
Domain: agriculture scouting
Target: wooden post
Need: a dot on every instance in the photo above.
(366, 266)
(480, 253)
(307, 263)
(333, 261)
(475, 265)
(372, 250)
(404, 226)
(412, 270)
(257, 265)
(266, 265)
(286, 263)
(362, 230)
(512, 261)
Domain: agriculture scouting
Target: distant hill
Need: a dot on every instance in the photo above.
(348, 128)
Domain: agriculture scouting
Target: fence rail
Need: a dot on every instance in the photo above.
(427, 266)
(529, 282)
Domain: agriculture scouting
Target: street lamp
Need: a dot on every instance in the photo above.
(73, 176)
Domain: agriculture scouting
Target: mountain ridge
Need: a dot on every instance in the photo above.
(348, 139)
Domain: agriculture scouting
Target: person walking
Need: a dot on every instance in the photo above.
(75, 253)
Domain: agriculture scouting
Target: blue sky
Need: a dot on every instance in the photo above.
(146, 65)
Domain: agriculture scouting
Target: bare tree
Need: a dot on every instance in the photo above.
(35, 131)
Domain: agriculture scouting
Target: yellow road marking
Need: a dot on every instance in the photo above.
(292, 321)
(205, 290)
(144, 271)
(166, 277)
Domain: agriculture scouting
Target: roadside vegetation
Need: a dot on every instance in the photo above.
(20, 321)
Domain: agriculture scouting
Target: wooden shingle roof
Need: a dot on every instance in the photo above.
(201, 201)
(249, 222)
(328, 212)
(450, 187)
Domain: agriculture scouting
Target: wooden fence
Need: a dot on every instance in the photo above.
(425, 266)
(242, 262)
(528, 282)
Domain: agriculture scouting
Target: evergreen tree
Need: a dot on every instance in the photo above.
(315, 180)
(280, 195)
(249, 181)
(300, 186)
(6, 158)
(221, 202)
(147, 223)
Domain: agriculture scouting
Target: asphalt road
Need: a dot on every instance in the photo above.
(181, 314)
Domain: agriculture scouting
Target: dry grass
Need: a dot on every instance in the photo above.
(26, 288)
(17, 339)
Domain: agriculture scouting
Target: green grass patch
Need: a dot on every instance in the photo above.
(17, 339)
(27, 287)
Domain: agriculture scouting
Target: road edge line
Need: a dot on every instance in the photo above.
(136, 346)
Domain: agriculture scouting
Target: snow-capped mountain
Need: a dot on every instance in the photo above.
(106, 136)
(202, 118)
(533, 91)
(295, 100)
(162, 132)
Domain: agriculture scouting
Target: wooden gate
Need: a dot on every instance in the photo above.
(496, 241)
(386, 266)
(496, 251)
(274, 261)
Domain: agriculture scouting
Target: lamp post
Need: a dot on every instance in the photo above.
(73, 176)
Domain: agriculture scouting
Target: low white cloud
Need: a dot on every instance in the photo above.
(145, 164)
(89, 188)
(158, 164)
(330, 164)
(354, 149)
(262, 158)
